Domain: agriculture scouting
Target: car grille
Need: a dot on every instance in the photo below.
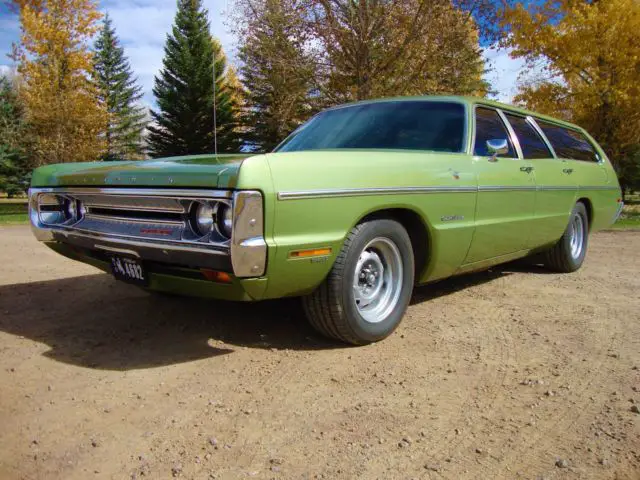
(151, 215)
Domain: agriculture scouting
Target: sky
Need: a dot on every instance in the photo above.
(142, 26)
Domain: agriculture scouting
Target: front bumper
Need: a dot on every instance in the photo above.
(170, 278)
(153, 225)
(145, 251)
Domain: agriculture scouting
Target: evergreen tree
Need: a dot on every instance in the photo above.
(276, 68)
(14, 168)
(184, 123)
(118, 91)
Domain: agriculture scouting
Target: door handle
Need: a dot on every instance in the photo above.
(568, 171)
(526, 169)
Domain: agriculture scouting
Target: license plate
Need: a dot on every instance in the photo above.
(128, 270)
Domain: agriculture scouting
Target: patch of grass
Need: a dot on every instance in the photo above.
(13, 212)
(629, 218)
(626, 223)
(632, 199)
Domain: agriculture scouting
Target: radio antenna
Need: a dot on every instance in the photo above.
(215, 123)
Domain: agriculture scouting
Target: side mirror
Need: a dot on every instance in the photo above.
(497, 146)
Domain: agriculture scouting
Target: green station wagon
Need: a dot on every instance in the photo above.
(352, 210)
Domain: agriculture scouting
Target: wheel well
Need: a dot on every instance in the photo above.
(587, 204)
(415, 227)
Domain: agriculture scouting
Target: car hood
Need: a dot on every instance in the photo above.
(203, 171)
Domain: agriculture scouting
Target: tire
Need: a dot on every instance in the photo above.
(379, 252)
(568, 254)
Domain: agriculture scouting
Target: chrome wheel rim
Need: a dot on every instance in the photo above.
(576, 236)
(377, 279)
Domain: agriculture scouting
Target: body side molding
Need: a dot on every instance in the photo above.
(358, 192)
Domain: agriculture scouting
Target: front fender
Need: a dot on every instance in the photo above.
(319, 196)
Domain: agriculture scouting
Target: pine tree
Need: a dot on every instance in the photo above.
(118, 91)
(184, 123)
(14, 167)
(276, 68)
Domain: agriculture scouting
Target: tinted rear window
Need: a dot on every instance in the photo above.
(531, 144)
(568, 143)
(410, 125)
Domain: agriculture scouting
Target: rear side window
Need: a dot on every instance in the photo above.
(489, 126)
(569, 143)
(531, 143)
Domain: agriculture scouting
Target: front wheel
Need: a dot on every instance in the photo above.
(568, 254)
(369, 287)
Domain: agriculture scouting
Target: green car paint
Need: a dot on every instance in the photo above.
(474, 212)
(220, 171)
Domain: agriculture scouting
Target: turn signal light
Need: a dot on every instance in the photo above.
(314, 252)
(216, 276)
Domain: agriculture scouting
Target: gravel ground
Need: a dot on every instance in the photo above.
(510, 373)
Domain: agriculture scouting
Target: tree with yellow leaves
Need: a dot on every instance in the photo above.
(375, 48)
(55, 64)
(590, 57)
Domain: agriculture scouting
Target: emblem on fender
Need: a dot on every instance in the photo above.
(451, 218)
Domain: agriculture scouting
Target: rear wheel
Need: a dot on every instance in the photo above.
(568, 254)
(369, 287)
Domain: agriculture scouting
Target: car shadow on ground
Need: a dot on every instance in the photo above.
(95, 322)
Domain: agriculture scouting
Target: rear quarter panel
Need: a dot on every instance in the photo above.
(598, 183)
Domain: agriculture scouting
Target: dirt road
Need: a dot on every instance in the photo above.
(512, 373)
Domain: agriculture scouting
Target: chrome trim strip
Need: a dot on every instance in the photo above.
(134, 243)
(536, 127)
(133, 220)
(117, 250)
(507, 128)
(248, 246)
(556, 187)
(357, 192)
(599, 187)
(134, 208)
(516, 188)
(618, 212)
(500, 188)
(117, 237)
(512, 133)
(139, 192)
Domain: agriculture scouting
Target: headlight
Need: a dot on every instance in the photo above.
(224, 220)
(203, 219)
(57, 209)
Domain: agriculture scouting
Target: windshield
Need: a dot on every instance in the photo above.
(409, 125)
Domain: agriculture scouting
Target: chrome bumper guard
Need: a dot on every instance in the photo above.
(618, 212)
(153, 224)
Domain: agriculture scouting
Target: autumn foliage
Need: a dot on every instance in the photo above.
(298, 56)
(60, 101)
(587, 55)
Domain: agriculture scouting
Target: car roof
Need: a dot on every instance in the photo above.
(470, 101)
